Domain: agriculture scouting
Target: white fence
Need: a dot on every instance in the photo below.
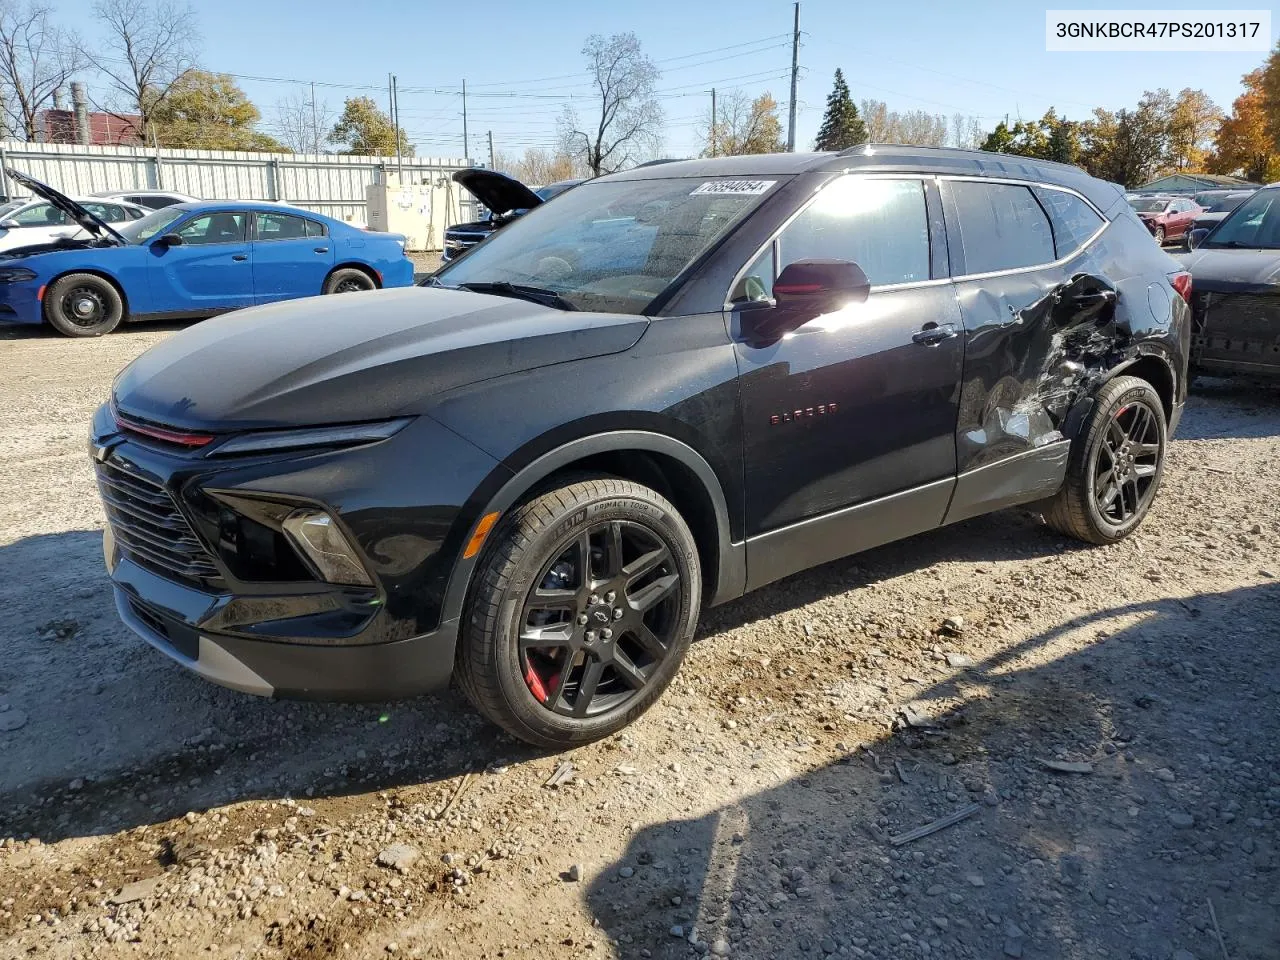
(332, 185)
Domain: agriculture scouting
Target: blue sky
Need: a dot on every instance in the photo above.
(983, 57)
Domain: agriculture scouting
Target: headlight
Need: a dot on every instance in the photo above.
(16, 274)
(346, 435)
(318, 539)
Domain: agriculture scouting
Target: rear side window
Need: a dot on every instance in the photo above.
(881, 225)
(1001, 226)
(315, 229)
(1073, 220)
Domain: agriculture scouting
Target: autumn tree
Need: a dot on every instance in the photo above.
(744, 125)
(541, 167)
(841, 128)
(1049, 138)
(366, 131)
(1193, 123)
(36, 58)
(625, 119)
(209, 111)
(1248, 141)
(149, 46)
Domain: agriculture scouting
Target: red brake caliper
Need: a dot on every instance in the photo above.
(535, 683)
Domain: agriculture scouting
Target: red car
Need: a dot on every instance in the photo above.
(1168, 218)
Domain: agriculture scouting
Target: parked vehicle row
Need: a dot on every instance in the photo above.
(185, 260)
(668, 387)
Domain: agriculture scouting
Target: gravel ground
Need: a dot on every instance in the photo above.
(1104, 719)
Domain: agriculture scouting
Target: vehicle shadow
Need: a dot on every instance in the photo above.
(145, 740)
(1170, 703)
(1236, 407)
(39, 331)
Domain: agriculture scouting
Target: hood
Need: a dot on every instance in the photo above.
(344, 359)
(96, 227)
(497, 191)
(52, 246)
(1233, 271)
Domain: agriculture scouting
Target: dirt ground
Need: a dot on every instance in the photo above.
(1105, 719)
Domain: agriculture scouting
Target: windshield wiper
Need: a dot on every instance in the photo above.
(548, 298)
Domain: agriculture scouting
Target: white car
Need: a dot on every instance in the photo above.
(150, 199)
(30, 220)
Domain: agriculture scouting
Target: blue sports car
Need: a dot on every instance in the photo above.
(189, 260)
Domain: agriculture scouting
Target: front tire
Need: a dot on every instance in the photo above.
(583, 606)
(1159, 235)
(83, 305)
(1115, 466)
(348, 280)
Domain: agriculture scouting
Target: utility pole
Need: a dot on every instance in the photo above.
(315, 121)
(466, 144)
(490, 149)
(795, 73)
(395, 126)
(713, 121)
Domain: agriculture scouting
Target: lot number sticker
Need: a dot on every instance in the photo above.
(743, 187)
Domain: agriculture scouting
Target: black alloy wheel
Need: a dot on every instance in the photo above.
(1127, 462)
(601, 620)
(581, 608)
(1114, 466)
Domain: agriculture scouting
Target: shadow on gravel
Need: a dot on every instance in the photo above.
(34, 331)
(1173, 706)
(144, 740)
(1216, 406)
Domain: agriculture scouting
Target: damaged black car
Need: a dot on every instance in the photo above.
(1236, 271)
(669, 387)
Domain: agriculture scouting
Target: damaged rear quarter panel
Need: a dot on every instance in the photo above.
(1034, 349)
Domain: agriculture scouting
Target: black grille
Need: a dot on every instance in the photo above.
(148, 527)
(1254, 316)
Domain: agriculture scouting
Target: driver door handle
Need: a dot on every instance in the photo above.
(933, 333)
(239, 256)
(322, 249)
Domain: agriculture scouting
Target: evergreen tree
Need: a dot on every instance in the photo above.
(841, 126)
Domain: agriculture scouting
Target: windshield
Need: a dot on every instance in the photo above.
(611, 245)
(1255, 223)
(1226, 204)
(152, 225)
(1148, 206)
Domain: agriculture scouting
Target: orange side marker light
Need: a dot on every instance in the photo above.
(482, 531)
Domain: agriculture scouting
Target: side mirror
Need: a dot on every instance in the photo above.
(804, 290)
(1196, 237)
(9, 224)
(172, 240)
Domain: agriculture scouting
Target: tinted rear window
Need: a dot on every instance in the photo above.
(1002, 226)
(1074, 221)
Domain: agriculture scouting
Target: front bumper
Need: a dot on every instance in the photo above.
(161, 612)
(20, 302)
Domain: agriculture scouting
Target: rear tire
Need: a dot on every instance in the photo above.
(1115, 465)
(83, 305)
(1159, 235)
(558, 654)
(348, 280)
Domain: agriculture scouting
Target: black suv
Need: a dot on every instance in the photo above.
(667, 388)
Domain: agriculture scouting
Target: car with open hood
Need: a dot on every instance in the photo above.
(665, 388)
(505, 198)
(187, 260)
(1235, 269)
(28, 221)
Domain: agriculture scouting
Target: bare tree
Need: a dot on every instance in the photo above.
(36, 58)
(148, 46)
(626, 121)
(303, 123)
(876, 116)
(912, 126)
(541, 167)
